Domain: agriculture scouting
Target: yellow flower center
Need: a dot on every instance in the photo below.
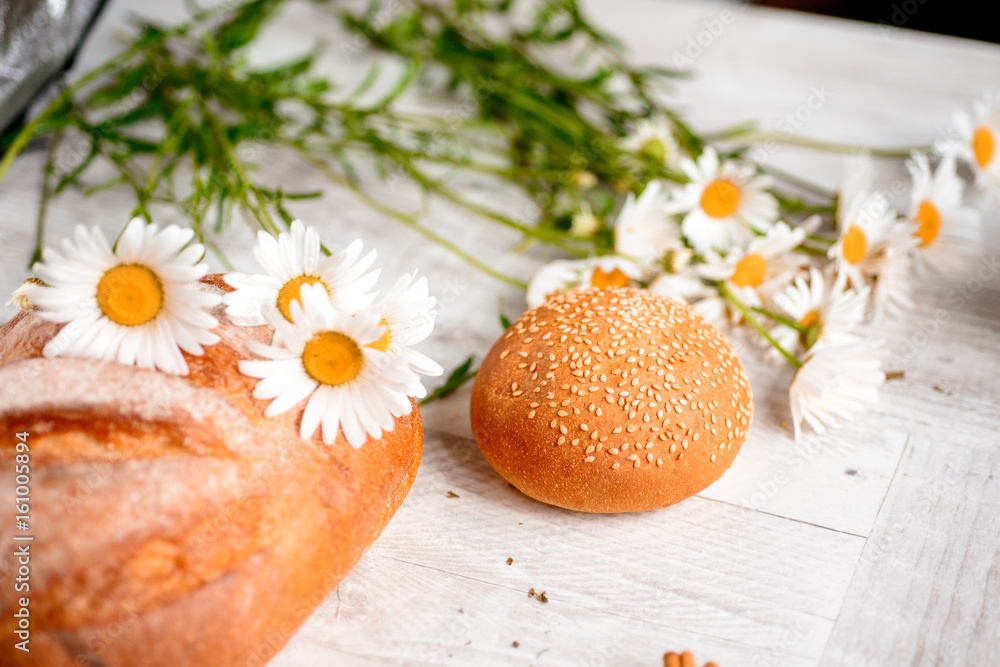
(130, 294)
(750, 271)
(290, 291)
(332, 358)
(855, 245)
(928, 221)
(810, 319)
(813, 328)
(613, 278)
(654, 150)
(983, 145)
(720, 199)
(383, 342)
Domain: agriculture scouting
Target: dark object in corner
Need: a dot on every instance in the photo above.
(960, 18)
(38, 42)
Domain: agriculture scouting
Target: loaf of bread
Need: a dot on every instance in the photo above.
(172, 523)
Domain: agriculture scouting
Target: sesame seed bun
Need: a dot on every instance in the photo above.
(611, 400)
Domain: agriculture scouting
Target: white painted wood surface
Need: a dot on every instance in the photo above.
(878, 544)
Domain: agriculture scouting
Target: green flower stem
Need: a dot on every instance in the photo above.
(43, 204)
(28, 131)
(726, 293)
(408, 221)
(809, 250)
(738, 130)
(759, 137)
(214, 248)
(555, 239)
(800, 183)
(780, 319)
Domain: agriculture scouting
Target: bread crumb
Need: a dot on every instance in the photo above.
(452, 494)
(542, 597)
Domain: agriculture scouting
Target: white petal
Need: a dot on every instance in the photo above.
(290, 397)
(313, 413)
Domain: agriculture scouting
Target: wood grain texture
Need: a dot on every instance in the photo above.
(694, 580)
(927, 588)
(872, 545)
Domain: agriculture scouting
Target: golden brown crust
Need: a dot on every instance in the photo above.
(613, 400)
(174, 523)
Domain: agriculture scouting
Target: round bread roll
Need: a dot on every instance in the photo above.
(173, 523)
(611, 400)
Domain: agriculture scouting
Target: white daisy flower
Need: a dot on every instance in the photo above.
(978, 139)
(19, 297)
(562, 275)
(407, 313)
(891, 293)
(584, 223)
(583, 179)
(135, 305)
(828, 312)
(685, 286)
(293, 260)
(835, 382)
(874, 250)
(653, 139)
(327, 357)
(766, 266)
(644, 231)
(723, 202)
(947, 232)
(857, 183)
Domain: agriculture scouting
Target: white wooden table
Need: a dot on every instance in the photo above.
(876, 545)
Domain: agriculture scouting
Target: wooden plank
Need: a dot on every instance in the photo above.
(927, 588)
